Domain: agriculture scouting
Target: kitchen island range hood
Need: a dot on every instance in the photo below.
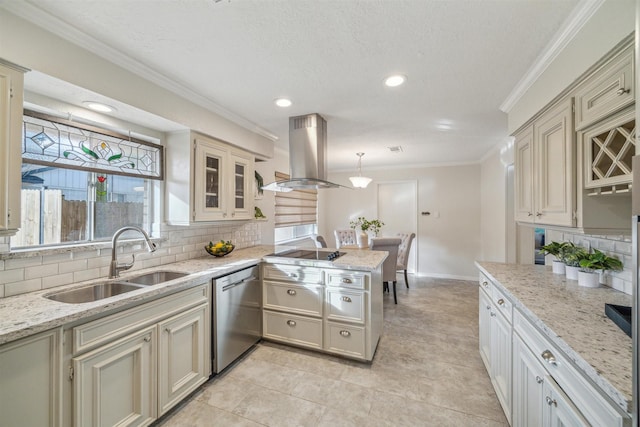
(307, 155)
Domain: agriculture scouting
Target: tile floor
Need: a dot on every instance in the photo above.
(426, 372)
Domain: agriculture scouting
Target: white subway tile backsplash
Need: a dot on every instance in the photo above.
(40, 271)
(21, 273)
(22, 287)
(9, 276)
(622, 248)
(605, 245)
(13, 263)
(71, 266)
(88, 274)
(57, 280)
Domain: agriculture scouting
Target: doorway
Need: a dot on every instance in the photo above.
(397, 208)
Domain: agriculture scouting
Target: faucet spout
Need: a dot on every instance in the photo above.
(115, 268)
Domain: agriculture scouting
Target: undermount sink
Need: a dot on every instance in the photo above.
(93, 292)
(156, 277)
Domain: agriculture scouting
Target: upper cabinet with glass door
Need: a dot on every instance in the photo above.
(218, 187)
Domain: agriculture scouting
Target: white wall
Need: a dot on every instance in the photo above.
(493, 200)
(613, 21)
(32, 47)
(448, 244)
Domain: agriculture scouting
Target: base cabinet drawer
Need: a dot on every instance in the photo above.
(300, 299)
(293, 329)
(346, 279)
(343, 305)
(346, 340)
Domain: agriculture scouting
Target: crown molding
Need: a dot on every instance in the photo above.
(54, 25)
(572, 25)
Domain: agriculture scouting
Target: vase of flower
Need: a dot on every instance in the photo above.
(365, 226)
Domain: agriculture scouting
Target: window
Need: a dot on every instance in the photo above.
(296, 213)
(81, 185)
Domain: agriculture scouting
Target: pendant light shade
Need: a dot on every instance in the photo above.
(360, 181)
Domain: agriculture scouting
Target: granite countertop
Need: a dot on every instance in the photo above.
(28, 314)
(572, 317)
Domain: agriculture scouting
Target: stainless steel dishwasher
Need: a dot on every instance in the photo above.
(237, 318)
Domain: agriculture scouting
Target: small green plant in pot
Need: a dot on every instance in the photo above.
(554, 249)
(571, 255)
(594, 265)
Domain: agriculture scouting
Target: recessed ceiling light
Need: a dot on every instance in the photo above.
(395, 80)
(98, 106)
(283, 102)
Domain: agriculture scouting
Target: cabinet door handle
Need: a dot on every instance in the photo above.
(551, 401)
(538, 214)
(346, 280)
(291, 323)
(538, 379)
(529, 214)
(488, 307)
(291, 292)
(485, 284)
(500, 301)
(549, 357)
(346, 299)
(147, 339)
(493, 314)
(292, 275)
(622, 91)
(345, 333)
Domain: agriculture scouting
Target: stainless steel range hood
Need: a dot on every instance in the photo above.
(307, 155)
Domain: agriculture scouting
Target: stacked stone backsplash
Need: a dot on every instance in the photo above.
(618, 246)
(29, 271)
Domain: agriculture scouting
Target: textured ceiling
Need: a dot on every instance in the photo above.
(462, 59)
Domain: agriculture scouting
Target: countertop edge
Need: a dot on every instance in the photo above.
(582, 365)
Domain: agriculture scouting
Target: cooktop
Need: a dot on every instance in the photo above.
(309, 254)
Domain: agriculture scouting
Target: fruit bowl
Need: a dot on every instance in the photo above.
(219, 249)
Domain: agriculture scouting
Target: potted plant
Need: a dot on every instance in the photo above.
(571, 255)
(553, 248)
(594, 265)
(365, 225)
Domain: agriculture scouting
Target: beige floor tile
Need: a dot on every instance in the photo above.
(273, 408)
(426, 372)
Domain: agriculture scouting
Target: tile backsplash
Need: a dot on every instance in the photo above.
(618, 246)
(28, 271)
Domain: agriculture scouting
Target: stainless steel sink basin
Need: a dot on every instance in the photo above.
(93, 292)
(156, 277)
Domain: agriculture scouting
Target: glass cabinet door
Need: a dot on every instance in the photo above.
(209, 186)
(242, 187)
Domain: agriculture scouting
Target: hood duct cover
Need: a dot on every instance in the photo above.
(307, 153)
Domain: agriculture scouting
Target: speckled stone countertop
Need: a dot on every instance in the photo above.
(572, 317)
(28, 314)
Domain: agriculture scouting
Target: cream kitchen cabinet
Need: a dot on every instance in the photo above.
(207, 180)
(528, 387)
(545, 169)
(495, 334)
(131, 367)
(11, 100)
(608, 90)
(331, 310)
(30, 379)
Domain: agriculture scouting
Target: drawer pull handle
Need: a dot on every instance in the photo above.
(291, 323)
(293, 275)
(538, 379)
(485, 284)
(347, 280)
(345, 333)
(346, 299)
(622, 91)
(549, 357)
(291, 292)
(500, 301)
(551, 401)
(493, 314)
(488, 307)
(147, 339)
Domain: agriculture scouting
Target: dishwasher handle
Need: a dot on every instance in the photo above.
(233, 285)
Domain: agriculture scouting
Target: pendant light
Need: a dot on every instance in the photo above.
(360, 181)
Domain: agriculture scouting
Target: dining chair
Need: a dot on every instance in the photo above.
(319, 241)
(403, 253)
(389, 244)
(345, 237)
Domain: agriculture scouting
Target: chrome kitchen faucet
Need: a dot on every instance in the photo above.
(115, 268)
